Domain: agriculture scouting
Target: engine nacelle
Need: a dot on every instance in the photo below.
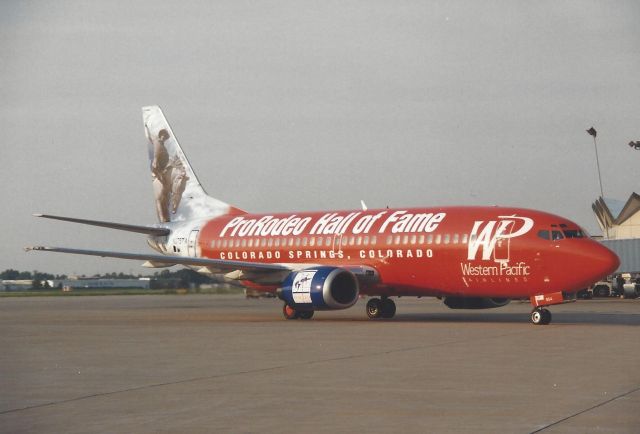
(320, 288)
(475, 302)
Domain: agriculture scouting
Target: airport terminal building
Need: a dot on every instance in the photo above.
(620, 224)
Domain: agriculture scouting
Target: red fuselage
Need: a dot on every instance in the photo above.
(448, 251)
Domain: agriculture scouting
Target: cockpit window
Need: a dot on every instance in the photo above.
(560, 231)
(573, 233)
(544, 234)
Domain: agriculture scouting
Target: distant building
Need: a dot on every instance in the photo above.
(618, 219)
(15, 285)
(89, 283)
(620, 224)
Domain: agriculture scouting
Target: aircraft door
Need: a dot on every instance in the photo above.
(337, 243)
(192, 244)
(501, 252)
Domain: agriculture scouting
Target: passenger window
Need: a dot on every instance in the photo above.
(366, 240)
(312, 241)
(438, 238)
(263, 242)
(277, 243)
(405, 239)
(446, 238)
(456, 238)
(421, 239)
(413, 239)
(270, 242)
(465, 238)
(320, 239)
(297, 242)
(397, 239)
(373, 239)
(244, 242)
(430, 239)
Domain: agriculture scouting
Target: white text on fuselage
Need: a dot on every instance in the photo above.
(502, 269)
(327, 254)
(333, 223)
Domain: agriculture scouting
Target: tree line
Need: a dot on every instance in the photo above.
(185, 276)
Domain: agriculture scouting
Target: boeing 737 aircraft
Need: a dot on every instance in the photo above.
(471, 257)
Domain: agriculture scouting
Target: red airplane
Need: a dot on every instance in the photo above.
(471, 257)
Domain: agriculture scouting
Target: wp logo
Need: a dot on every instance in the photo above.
(485, 235)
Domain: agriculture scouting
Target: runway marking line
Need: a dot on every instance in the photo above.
(586, 410)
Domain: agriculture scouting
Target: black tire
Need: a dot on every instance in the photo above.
(388, 308)
(601, 291)
(305, 314)
(289, 312)
(536, 316)
(374, 308)
(546, 316)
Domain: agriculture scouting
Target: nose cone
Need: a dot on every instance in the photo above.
(601, 261)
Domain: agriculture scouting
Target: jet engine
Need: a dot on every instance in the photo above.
(320, 288)
(475, 302)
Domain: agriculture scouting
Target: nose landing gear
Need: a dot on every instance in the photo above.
(540, 316)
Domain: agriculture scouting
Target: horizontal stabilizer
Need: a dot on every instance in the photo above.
(219, 265)
(158, 232)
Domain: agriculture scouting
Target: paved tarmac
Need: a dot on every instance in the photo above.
(202, 363)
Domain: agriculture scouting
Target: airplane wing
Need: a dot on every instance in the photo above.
(149, 230)
(258, 272)
(261, 273)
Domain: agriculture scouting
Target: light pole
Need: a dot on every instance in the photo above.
(592, 131)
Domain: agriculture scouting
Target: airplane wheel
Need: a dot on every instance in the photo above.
(546, 316)
(540, 316)
(305, 314)
(536, 316)
(374, 308)
(289, 312)
(388, 308)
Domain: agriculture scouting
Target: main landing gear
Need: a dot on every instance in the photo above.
(291, 313)
(540, 316)
(381, 308)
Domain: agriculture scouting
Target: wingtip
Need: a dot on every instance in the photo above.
(34, 248)
(37, 214)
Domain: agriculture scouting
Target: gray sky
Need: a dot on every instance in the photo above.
(293, 105)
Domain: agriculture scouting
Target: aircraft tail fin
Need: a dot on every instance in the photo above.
(178, 193)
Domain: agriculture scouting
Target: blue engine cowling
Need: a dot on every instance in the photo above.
(320, 288)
